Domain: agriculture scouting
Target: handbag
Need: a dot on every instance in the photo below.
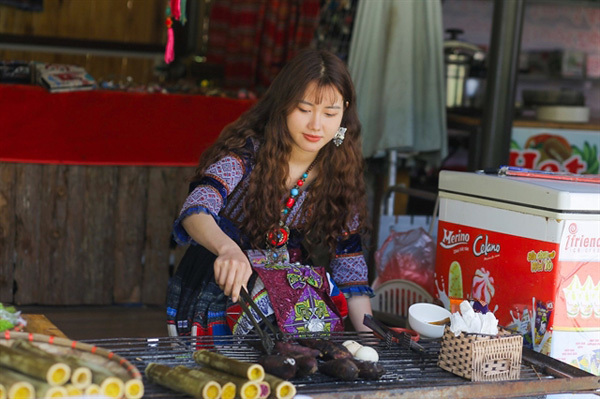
(297, 295)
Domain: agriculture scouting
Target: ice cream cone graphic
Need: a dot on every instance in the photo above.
(572, 293)
(455, 284)
(596, 301)
(586, 307)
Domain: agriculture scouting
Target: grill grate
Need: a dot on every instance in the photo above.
(405, 370)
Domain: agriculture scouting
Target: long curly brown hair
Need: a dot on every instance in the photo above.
(338, 192)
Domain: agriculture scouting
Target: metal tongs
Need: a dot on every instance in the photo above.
(403, 338)
(266, 340)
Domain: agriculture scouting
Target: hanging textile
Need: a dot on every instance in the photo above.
(334, 30)
(175, 9)
(253, 39)
(396, 62)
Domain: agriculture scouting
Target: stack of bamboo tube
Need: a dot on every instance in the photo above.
(220, 377)
(30, 371)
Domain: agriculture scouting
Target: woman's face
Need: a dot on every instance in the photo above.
(316, 118)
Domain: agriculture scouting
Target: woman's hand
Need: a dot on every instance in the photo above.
(232, 267)
(232, 271)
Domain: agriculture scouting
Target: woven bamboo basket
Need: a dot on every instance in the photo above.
(134, 387)
(480, 357)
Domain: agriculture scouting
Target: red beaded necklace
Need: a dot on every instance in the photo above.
(277, 240)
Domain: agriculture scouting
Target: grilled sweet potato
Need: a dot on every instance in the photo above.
(290, 349)
(329, 349)
(369, 370)
(343, 369)
(305, 365)
(280, 366)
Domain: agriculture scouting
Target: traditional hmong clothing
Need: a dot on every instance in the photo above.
(195, 303)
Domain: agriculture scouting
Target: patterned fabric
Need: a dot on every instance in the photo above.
(241, 324)
(252, 39)
(349, 267)
(229, 171)
(210, 195)
(195, 303)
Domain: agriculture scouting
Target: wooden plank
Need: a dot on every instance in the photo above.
(52, 236)
(183, 178)
(163, 208)
(40, 324)
(130, 228)
(98, 242)
(28, 208)
(7, 230)
(129, 21)
(72, 268)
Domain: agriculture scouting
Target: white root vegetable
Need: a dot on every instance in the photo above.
(367, 353)
(352, 346)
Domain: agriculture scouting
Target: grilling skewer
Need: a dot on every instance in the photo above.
(403, 338)
(267, 342)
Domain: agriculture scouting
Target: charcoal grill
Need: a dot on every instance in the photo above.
(408, 375)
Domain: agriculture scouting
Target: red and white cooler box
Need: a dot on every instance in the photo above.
(530, 248)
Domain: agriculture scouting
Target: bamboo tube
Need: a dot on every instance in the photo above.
(92, 390)
(245, 388)
(182, 382)
(41, 388)
(47, 370)
(44, 390)
(72, 390)
(228, 390)
(250, 371)
(81, 376)
(111, 387)
(112, 384)
(265, 390)
(228, 387)
(15, 387)
(281, 389)
(134, 388)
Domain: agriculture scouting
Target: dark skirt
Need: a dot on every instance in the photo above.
(195, 303)
(197, 306)
(194, 298)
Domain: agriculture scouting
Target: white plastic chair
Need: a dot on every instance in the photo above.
(396, 296)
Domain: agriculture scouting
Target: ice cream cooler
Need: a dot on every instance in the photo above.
(530, 248)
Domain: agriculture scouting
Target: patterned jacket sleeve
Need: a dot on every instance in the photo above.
(210, 195)
(349, 267)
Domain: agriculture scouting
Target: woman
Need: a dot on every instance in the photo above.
(282, 180)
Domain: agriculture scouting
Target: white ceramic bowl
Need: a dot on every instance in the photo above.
(419, 316)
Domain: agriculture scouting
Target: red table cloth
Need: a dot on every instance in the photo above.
(102, 127)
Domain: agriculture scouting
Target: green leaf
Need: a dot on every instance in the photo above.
(587, 151)
(593, 167)
(5, 325)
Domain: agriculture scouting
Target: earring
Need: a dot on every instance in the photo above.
(338, 137)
